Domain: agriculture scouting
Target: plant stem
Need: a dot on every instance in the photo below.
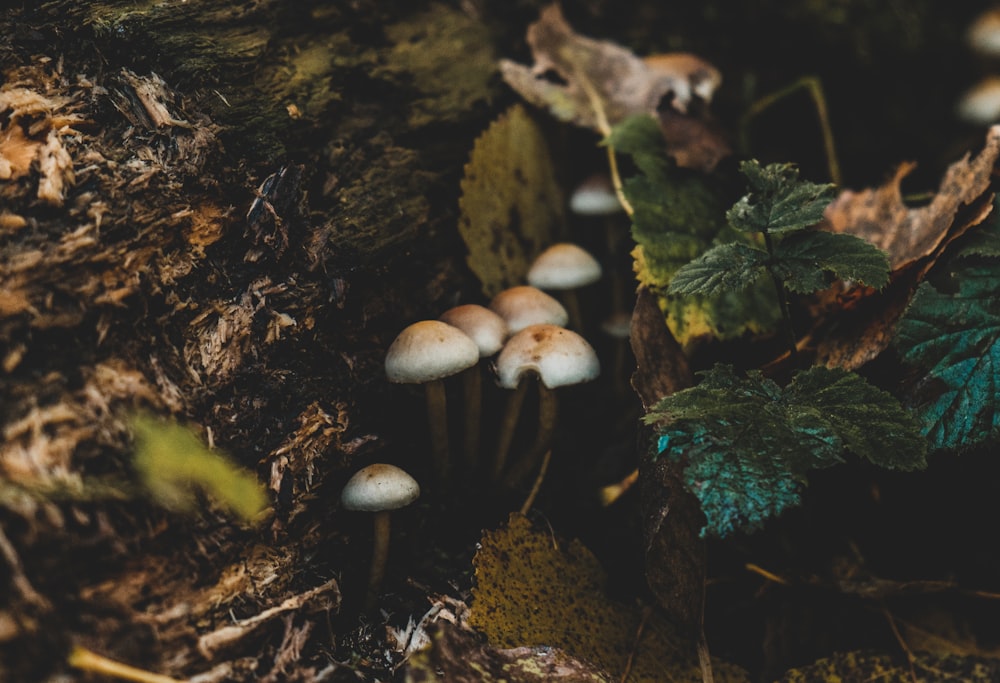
(779, 289)
(85, 660)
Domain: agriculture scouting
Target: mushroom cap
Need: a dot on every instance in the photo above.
(595, 196)
(559, 357)
(983, 34)
(429, 350)
(618, 325)
(482, 325)
(379, 487)
(564, 266)
(524, 305)
(980, 105)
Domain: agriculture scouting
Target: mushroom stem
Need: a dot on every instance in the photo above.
(380, 554)
(507, 426)
(437, 418)
(548, 410)
(473, 386)
(571, 302)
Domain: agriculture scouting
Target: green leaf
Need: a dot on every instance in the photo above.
(953, 339)
(678, 216)
(778, 201)
(727, 267)
(747, 444)
(983, 239)
(640, 137)
(805, 261)
(173, 464)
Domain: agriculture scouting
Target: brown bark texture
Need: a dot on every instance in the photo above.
(220, 212)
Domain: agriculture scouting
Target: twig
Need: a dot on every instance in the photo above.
(605, 128)
(17, 575)
(814, 87)
(902, 643)
(529, 501)
(647, 612)
(85, 660)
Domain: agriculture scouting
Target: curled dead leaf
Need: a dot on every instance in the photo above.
(914, 238)
(882, 217)
(605, 83)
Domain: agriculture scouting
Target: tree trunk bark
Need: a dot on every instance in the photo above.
(217, 211)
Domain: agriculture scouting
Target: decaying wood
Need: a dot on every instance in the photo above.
(219, 212)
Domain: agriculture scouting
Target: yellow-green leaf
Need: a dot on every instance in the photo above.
(173, 464)
(511, 204)
(533, 590)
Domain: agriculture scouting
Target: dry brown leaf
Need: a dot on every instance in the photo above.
(914, 238)
(605, 83)
(882, 217)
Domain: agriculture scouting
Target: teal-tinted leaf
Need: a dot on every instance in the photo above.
(808, 261)
(954, 340)
(777, 200)
(727, 267)
(747, 444)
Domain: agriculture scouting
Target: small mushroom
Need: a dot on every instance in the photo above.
(595, 197)
(565, 267)
(557, 357)
(489, 331)
(980, 105)
(618, 326)
(983, 34)
(425, 353)
(524, 305)
(379, 488)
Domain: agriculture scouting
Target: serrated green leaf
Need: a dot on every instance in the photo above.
(640, 137)
(870, 422)
(173, 464)
(729, 315)
(747, 444)
(806, 261)
(678, 216)
(778, 202)
(954, 340)
(983, 239)
(727, 267)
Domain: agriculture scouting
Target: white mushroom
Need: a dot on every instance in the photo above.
(565, 267)
(379, 488)
(524, 305)
(489, 331)
(425, 353)
(557, 357)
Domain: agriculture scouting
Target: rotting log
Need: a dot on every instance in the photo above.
(220, 212)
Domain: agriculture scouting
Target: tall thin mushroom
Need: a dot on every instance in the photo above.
(379, 488)
(557, 357)
(426, 353)
(489, 331)
(565, 267)
(520, 307)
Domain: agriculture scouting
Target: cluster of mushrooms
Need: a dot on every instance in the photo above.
(527, 334)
